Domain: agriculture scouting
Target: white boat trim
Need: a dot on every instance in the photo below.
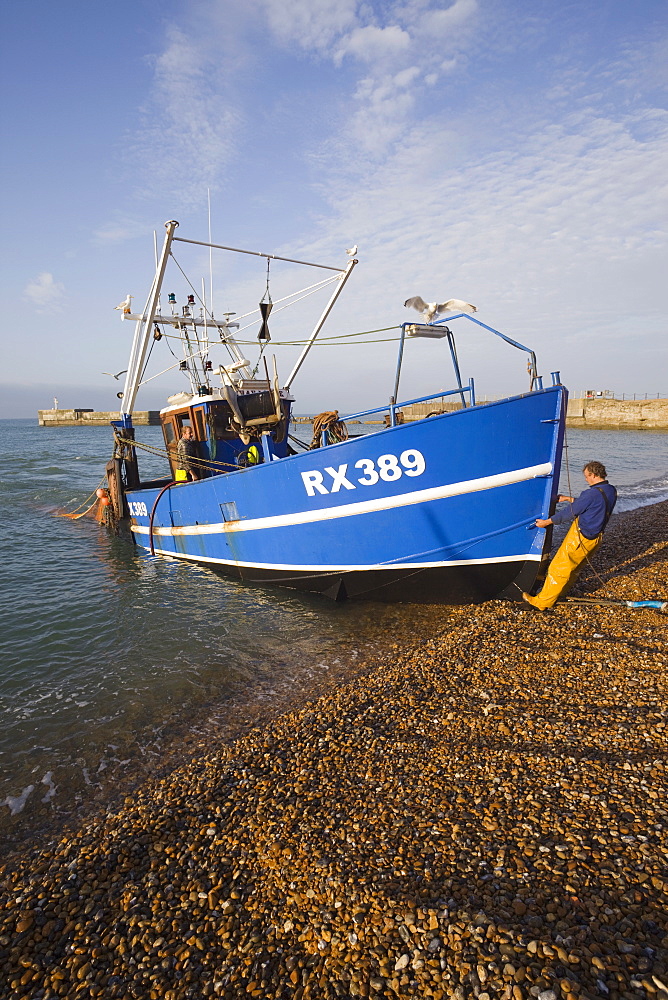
(352, 509)
(346, 568)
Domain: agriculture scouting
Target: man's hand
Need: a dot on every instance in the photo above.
(562, 499)
(542, 524)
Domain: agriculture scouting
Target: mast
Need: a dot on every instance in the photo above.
(143, 331)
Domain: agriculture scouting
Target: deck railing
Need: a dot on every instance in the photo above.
(393, 407)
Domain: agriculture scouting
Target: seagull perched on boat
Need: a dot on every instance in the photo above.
(115, 376)
(352, 251)
(126, 305)
(430, 310)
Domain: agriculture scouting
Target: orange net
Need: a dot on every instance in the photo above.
(96, 509)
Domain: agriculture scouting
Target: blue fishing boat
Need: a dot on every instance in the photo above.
(438, 509)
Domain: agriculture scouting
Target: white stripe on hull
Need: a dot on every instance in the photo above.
(362, 507)
(353, 568)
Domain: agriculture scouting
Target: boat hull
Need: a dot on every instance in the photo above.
(438, 510)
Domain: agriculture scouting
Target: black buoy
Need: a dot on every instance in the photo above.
(266, 305)
(265, 309)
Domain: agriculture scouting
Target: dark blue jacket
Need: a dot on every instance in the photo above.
(590, 508)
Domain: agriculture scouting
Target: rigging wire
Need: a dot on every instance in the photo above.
(321, 340)
(260, 356)
(294, 296)
(296, 343)
(153, 343)
(287, 343)
(302, 293)
(207, 312)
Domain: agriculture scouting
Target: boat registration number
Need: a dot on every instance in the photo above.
(386, 467)
(137, 508)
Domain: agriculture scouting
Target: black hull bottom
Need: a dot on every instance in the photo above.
(470, 584)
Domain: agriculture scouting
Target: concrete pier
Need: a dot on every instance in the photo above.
(618, 414)
(594, 413)
(92, 418)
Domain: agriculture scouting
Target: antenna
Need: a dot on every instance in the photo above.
(206, 331)
(208, 197)
(155, 254)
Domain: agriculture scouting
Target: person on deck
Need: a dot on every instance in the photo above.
(186, 450)
(590, 514)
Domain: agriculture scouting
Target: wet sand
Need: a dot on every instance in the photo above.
(482, 812)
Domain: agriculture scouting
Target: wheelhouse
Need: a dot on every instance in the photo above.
(226, 423)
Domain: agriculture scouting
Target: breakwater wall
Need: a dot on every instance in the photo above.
(92, 418)
(618, 414)
(596, 414)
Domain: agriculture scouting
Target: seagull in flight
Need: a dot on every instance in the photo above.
(115, 376)
(126, 305)
(352, 251)
(430, 310)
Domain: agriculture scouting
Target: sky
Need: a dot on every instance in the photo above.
(514, 155)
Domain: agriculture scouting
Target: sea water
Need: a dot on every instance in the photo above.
(107, 650)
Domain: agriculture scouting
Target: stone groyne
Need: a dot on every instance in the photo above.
(92, 418)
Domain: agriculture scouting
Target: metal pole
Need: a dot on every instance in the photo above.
(143, 331)
(455, 364)
(399, 362)
(258, 253)
(319, 325)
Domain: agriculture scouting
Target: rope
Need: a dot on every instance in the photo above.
(203, 463)
(328, 421)
(299, 441)
(655, 605)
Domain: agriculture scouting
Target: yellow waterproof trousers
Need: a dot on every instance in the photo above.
(564, 569)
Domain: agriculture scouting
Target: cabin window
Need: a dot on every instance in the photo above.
(183, 420)
(170, 434)
(200, 433)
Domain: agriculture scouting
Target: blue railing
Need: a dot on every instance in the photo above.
(393, 407)
(536, 380)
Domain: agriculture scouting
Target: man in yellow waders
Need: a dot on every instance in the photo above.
(591, 511)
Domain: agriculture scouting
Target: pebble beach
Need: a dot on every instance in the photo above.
(480, 813)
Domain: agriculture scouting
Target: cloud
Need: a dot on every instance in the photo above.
(441, 23)
(531, 187)
(191, 121)
(555, 235)
(372, 45)
(207, 73)
(315, 25)
(389, 54)
(45, 294)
